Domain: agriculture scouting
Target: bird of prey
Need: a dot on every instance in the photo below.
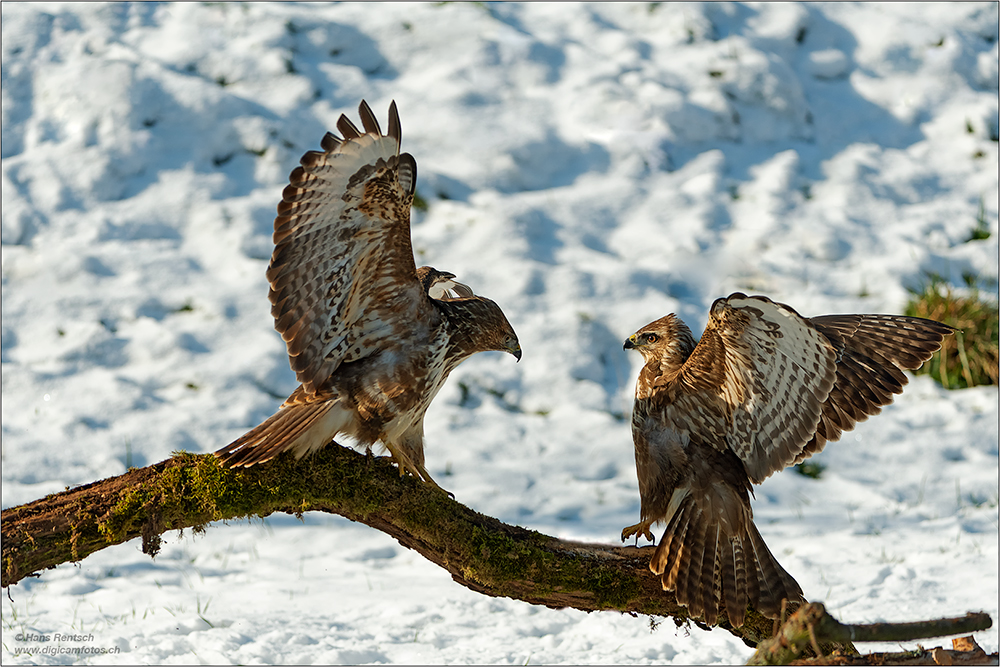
(371, 337)
(763, 389)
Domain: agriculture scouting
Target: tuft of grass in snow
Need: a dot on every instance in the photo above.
(810, 469)
(419, 202)
(981, 231)
(970, 357)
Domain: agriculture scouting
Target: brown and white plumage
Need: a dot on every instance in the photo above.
(371, 337)
(763, 389)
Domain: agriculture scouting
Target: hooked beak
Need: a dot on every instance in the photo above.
(515, 349)
(630, 343)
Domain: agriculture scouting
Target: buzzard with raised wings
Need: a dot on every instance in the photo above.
(764, 388)
(371, 337)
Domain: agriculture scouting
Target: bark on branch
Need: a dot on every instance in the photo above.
(480, 552)
(811, 626)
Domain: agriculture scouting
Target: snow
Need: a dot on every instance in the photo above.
(590, 168)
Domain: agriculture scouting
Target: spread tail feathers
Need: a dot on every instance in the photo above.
(298, 427)
(716, 564)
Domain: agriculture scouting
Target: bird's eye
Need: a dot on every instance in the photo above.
(651, 338)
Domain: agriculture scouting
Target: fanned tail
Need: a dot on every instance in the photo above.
(774, 584)
(716, 563)
(301, 428)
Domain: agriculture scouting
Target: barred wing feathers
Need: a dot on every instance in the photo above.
(873, 351)
(370, 337)
(747, 399)
(764, 388)
(342, 272)
(767, 371)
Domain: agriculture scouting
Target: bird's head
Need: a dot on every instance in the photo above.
(502, 335)
(667, 341)
(478, 325)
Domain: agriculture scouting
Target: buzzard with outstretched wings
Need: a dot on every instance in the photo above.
(371, 337)
(763, 389)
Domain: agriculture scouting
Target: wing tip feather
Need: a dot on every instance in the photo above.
(395, 129)
(368, 120)
(330, 142)
(347, 128)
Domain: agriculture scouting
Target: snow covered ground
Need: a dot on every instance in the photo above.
(590, 168)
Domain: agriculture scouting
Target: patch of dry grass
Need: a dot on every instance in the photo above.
(970, 357)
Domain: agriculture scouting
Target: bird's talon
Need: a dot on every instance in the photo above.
(639, 529)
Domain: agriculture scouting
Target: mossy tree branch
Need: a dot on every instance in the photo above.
(804, 633)
(480, 552)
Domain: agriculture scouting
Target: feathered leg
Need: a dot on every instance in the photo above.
(408, 452)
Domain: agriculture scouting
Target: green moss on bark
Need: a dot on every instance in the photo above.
(480, 552)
